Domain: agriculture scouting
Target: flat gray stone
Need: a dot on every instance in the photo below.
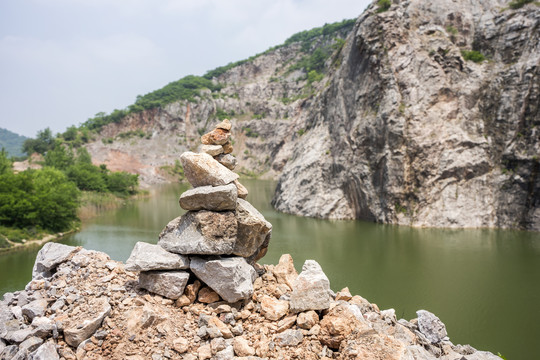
(290, 337)
(46, 351)
(43, 326)
(311, 289)
(9, 352)
(49, 257)
(227, 160)
(202, 169)
(202, 232)
(169, 284)
(212, 150)
(431, 326)
(82, 328)
(19, 335)
(214, 198)
(253, 229)
(232, 278)
(35, 308)
(5, 316)
(146, 257)
(30, 344)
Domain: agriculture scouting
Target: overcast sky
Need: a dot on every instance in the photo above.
(63, 61)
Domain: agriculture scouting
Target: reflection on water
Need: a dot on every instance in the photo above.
(484, 284)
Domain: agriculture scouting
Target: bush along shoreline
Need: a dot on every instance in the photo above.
(39, 205)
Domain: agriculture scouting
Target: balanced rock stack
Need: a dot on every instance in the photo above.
(218, 240)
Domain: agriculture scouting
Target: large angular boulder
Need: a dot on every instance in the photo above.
(202, 232)
(146, 257)
(232, 278)
(87, 322)
(50, 256)
(169, 284)
(431, 326)
(311, 289)
(202, 169)
(214, 198)
(253, 229)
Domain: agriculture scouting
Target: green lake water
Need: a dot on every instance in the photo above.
(483, 284)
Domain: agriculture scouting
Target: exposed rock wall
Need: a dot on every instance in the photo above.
(401, 129)
(409, 132)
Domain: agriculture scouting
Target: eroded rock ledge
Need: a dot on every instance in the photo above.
(82, 305)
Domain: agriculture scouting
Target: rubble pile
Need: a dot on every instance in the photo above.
(82, 305)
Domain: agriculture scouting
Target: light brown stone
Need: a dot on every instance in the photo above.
(344, 295)
(306, 320)
(225, 125)
(202, 169)
(227, 148)
(216, 137)
(284, 271)
(339, 323)
(241, 347)
(181, 345)
(286, 323)
(208, 296)
(242, 190)
(272, 308)
(221, 326)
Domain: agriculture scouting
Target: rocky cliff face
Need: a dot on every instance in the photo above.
(401, 128)
(410, 132)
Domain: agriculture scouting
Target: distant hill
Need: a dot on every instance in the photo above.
(12, 142)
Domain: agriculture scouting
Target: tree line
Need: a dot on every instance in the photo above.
(47, 199)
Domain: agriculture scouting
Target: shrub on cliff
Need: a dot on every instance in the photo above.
(517, 4)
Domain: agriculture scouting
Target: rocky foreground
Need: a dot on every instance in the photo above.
(81, 304)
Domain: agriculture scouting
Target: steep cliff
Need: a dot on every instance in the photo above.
(262, 96)
(390, 120)
(410, 132)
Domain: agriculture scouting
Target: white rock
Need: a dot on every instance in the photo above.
(214, 198)
(91, 320)
(169, 284)
(311, 289)
(232, 278)
(50, 255)
(146, 257)
(202, 169)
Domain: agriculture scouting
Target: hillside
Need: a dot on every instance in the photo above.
(420, 113)
(12, 142)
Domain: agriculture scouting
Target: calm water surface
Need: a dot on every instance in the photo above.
(483, 284)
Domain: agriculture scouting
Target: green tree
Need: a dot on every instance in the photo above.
(83, 156)
(70, 134)
(60, 157)
(87, 177)
(38, 198)
(43, 142)
(122, 183)
(5, 163)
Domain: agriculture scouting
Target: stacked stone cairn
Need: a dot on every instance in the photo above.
(217, 242)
